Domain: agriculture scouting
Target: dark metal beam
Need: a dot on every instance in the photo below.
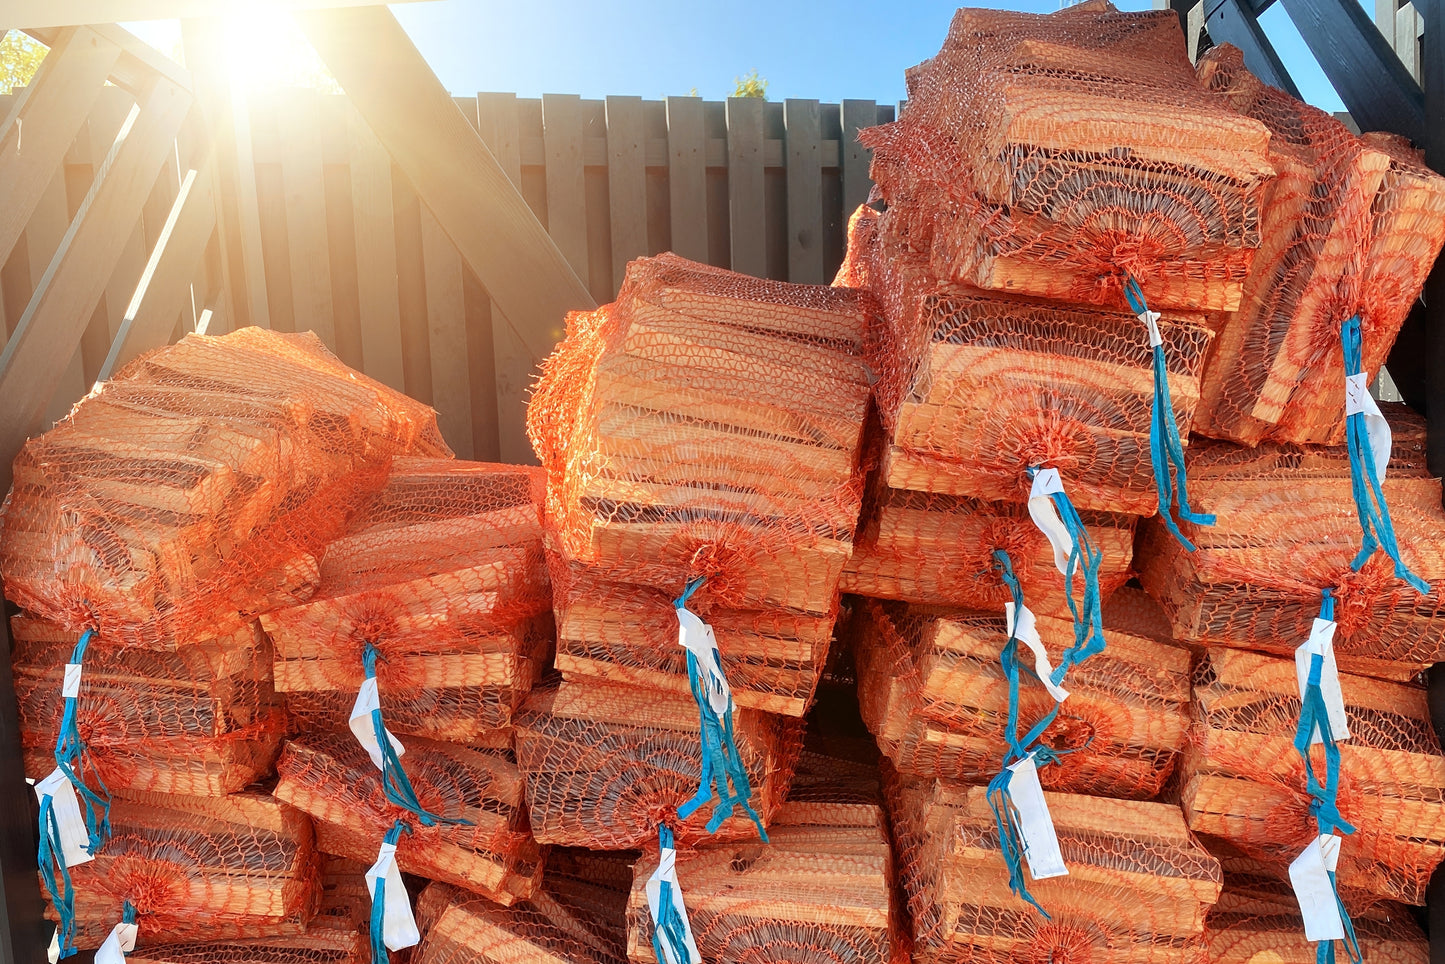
(1235, 22)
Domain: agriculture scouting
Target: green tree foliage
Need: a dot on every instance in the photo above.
(750, 85)
(19, 59)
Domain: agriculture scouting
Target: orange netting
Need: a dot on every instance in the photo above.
(606, 764)
(237, 867)
(320, 947)
(1138, 890)
(331, 778)
(199, 487)
(443, 575)
(201, 721)
(708, 424)
(932, 691)
(1244, 782)
(1350, 226)
(1059, 155)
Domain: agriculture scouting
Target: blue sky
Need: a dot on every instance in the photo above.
(824, 49)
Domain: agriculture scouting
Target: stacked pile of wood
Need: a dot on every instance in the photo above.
(322, 947)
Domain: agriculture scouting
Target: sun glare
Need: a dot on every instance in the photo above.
(265, 49)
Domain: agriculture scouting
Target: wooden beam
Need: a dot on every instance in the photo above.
(1235, 22)
(687, 177)
(481, 211)
(53, 321)
(626, 183)
(61, 13)
(139, 62)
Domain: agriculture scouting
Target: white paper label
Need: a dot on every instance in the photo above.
(1358, 401)
(1046, 517)
(1036, 827)
(1021, 624)
(52, 953)
(120, 942)
(398, 925)
(1321, 642)
(70, 689)
(362, 727)
(1309, 875)
(74, 837)
(667, 870)
(1151, 322)
(696, 636)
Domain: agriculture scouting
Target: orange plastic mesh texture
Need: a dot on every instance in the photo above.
(1054, 155)
(605, 764)
(628, 634)
(443, 573)
(1279, 939)
(199, 869)
(199, 487)
(975, 387)
(1286, 529)
(1138, 889)
(707, 424)
(1245, 783)
(932, 692)
(200, 721)
(331, 778)
(558, 923)
(1351, 226)
(322, 947)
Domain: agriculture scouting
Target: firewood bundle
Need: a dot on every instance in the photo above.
(320, 947)
(1243, 781)
(605, 764)
(441, 578)
(931, 691)
(1138, 889)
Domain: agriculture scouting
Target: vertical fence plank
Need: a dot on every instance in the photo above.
(374, 225)
(447, 335)
(47, 226)
(566, 182)
(112, 108)
(803, 153)
(853, 157)
(746, 199)
(299, 128)
(411, 288)
(598, 217)
(687, 176)
(626, 182)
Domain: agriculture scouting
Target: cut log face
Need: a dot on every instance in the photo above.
(559, 924)
(1243, 780)
(333, 780)
(707, 423)
(604, 763)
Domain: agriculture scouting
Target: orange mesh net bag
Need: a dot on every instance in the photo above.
(821, 890)
(321, 947)
(187, 868)
(1244, 782)
(1138, 887)
(1350, 226)
(200, 721)
(1062, 155)
(707, 424)
(441, 581)
(1287, 527)
(199, 487)
(932, 691)
(606, 764)
(479, 841)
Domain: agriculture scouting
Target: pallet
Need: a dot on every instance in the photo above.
(331, 779)
(557, 925)
(604, 761)
(1243, 781)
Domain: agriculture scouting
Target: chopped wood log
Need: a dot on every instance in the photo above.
(605, 762)
(313, 947)
(1243, 780)
(203, 720)
(932, 692)
(557, 925)
(333, 780)
(1249, 938)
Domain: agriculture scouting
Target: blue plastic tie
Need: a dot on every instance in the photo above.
(1314, 716)
(394, 781)
(1166, 447)
(73, 759)
(1378, 530)
(723, 776)
(52, 857)
(1088, 611)
(669, 929)
(378, 900)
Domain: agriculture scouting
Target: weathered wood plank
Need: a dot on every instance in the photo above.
(746, 214)
(626, 183)
(803, 141)
(853, 157)
(566, 186)
(374, 224)
(298, 126)
(687, 177)
(447, 335)
(43, 236)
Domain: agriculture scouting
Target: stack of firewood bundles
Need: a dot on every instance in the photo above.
(144, 535)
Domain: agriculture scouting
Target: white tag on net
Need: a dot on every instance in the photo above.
(398, 925)
(696, 636)
(1046, 517)
(119, 943)
(1321, 642)
(1021, 624)
(1036, 827)
(70, 688)
(1151, 322)
(1358, 401)
(74, 837)
(1309, 875)
(667, 870)
(52, 953)
(363, 728)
